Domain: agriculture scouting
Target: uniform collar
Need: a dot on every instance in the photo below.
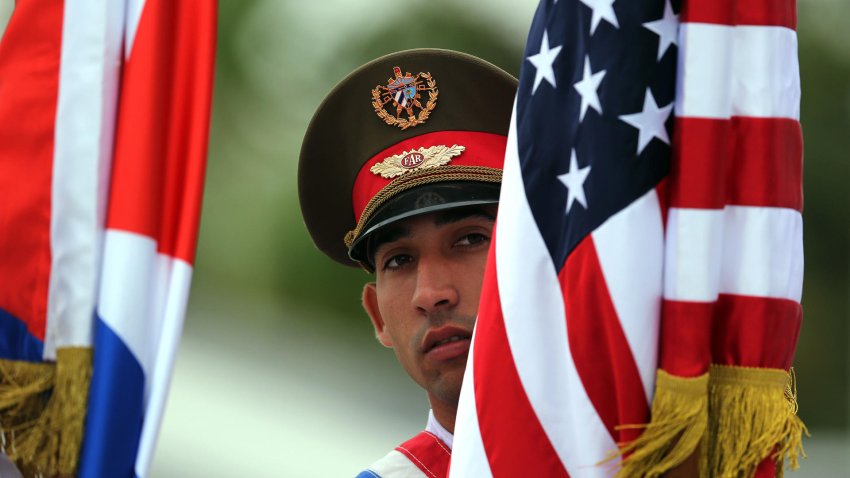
(434, 427)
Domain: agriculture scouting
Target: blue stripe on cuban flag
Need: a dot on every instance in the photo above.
(141, 307)
(16, 343)
(400, 98)
(117, 392)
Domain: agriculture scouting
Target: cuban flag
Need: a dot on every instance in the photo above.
(627, 261)
(104, 120)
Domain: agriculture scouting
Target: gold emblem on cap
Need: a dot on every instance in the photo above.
(404, 92)
(415, 160)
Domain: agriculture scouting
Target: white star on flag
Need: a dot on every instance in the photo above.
(587, 89)
(574, 179)
(667, 29)
(543, 61)
(602, 10)
(650, 121)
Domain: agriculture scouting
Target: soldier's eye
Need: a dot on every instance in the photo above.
(397, 261)
(473, 239)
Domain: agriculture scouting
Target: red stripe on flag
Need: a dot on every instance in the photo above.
(428, 453)
(743, 161)
(685, 341)
(755, 331)
(29, 82)
(766, 469)
(747, 12)
(163, 125)
(510, 429)
(736, 330)
(598, 345)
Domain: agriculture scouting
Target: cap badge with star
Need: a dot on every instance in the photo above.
(402, 94)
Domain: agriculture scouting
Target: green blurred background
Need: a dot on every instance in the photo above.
(279, 374)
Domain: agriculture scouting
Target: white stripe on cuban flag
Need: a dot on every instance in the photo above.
(85, 119)
(144, 285)
(123, 278)
(143, 301)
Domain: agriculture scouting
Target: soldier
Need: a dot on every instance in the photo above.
(406, 186)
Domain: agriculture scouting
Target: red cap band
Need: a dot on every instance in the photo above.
(482, 149)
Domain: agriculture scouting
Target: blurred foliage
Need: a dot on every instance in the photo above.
(274, 67)
(822, 360)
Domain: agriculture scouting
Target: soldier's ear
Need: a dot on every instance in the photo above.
(370, 305)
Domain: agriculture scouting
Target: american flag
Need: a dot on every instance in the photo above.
(584, 260)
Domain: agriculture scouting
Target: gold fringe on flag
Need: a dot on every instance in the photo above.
(42, 411)
(677, 428)
(753, 416)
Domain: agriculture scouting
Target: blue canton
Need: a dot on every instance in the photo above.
(594, 112)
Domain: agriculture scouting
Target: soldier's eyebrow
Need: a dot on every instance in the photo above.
(385, 236)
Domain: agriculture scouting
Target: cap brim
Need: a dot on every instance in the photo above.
(421, 200)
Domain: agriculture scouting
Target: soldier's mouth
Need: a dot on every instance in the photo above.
(453, 338)
(446, 343)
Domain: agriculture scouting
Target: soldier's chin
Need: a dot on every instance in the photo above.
(447, 387)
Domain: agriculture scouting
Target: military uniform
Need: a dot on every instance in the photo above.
(426, 455)
(409, 133)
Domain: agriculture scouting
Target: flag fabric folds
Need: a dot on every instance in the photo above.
(565, 348)
(643, 286)
(734, 250)
(104, 109)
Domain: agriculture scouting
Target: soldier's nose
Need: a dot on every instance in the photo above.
(435, 288)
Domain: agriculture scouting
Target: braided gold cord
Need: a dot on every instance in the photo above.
(418, 178)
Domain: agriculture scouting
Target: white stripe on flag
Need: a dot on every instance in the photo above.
(134, 13)
(726, 71)
(633, 271)
(85, 116)
(693, 254)
(472, 459)
(762, 250)
(143, 300)
(541, 353)
(174, 296)
(126, 302)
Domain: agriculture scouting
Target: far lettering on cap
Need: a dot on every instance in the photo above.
(416, 159)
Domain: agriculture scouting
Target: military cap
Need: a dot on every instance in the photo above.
(409, 133)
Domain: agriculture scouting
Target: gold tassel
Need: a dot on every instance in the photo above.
(677, 429)
(42, 411)
(753, 416)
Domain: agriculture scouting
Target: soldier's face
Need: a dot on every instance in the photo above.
(424, 302)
